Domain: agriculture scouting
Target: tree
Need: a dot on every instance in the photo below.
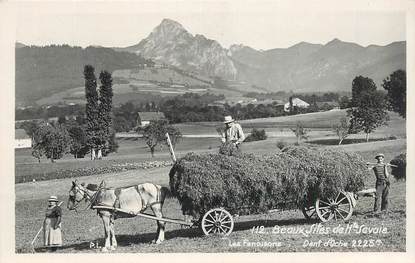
(112, 145)
(29, 127)
(105, 111)
(395, 84)
(344, 102)
(291, 107)
(300, 132)
(174, 134)
(79, 145)
(91, 108)
(361, 85)
(37, 152)
(256, 135)
(155, 133)
(52, 141)
(342, 129)
(370, 113)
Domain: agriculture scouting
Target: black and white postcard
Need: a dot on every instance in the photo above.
(240, 130)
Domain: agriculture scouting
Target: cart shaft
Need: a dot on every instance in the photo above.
(175, 221)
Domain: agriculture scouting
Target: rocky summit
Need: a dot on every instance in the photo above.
(171, 43)
(304, 67)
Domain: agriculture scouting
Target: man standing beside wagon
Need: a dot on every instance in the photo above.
(382, 183)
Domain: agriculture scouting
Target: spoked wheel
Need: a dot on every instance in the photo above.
(339, 208)
(217, 221)
(309, 212)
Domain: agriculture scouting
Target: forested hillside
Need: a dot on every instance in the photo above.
(41, 71)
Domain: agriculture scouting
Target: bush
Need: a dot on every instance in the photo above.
(399, 172)
(250, 184)
(281, 145)
(256, 135)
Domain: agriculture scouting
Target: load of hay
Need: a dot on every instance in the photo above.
(251, 184)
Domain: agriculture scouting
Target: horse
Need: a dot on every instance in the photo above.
(135, 199)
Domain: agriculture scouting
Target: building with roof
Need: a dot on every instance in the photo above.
(144, 118)
(296, 103)
(21, 139)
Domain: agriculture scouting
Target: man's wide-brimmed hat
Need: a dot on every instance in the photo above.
(53, 198)
(228, 119)
(379, 155)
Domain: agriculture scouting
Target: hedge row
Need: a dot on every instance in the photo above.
(251, 184)
(90, 171)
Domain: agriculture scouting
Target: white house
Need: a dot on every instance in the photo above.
(21, 139)
(296, 103)
(144, 118)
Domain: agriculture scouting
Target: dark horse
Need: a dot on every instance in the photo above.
(134, 199)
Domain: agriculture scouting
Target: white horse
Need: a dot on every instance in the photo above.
(134, 199)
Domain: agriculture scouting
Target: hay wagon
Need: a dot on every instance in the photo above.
(220, 220)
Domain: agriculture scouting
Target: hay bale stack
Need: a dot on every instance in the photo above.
(252, 184)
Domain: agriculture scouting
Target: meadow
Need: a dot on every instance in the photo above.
(135, 235)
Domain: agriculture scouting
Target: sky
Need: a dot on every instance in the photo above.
(258, 24)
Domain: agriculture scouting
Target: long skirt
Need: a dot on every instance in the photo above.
(52, 237)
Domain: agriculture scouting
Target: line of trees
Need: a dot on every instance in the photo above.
(96, 135)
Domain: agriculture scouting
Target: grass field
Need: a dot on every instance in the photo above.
(135, 235)
(318, 122)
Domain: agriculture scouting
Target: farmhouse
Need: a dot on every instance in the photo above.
(296, 103)
(144, 118)
(21, 139)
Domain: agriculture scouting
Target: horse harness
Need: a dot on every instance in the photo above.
(117, 192)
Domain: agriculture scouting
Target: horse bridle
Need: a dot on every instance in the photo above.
(86, 196)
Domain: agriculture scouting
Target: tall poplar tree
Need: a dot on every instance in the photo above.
(92, 118)
(105, 110)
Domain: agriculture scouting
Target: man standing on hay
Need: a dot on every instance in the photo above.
(233, 132)
(382, 183)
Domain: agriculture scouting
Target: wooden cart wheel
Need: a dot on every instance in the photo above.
(309, 212)
(217, 221)
(339, 208)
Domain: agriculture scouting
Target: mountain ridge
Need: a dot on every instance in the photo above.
(303, 66)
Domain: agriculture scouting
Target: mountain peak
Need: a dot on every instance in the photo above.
(170, 25)
(304, 44)
(170, 22)
(168, 30)
(334, 42)
(171, 43)
(19, 45)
